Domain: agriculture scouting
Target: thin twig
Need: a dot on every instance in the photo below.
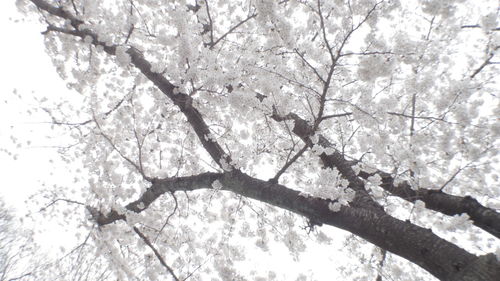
(418, 117)
(478, 26)
(157, 254)
(367, 53)
(129, 33)
(60, 199)
(452, 178)
(168, 218)
(55, 122)
(232, 29)
(118, 151)
(211, 25)
(336, 115)
(289, 163)
(485, 63)
(309, 65)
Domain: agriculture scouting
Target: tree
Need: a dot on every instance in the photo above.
(15, 248)
(375, 117)
(22, 260)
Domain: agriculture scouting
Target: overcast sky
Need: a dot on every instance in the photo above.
(27, 69)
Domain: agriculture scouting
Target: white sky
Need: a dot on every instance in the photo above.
(27, 69)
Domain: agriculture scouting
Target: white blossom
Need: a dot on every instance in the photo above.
(217, 185)
(489, 22)
(334, 207)
(122, 56)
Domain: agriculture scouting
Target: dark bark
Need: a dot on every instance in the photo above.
(157, 189)
(441, 258)
(303, 130)
(365, 217)
(483, 217)
(486, 218)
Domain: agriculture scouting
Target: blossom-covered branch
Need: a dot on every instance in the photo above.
(486, 218)
(182, 100)
(399, 237)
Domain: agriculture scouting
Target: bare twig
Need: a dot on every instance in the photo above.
(418, 117)
(131, 29)
(56, 122)
(157, 254)
(138, 168)
(301, 55)
(169, 216)
(334, 58)
(63, 200)
(290, 80)
(412, 126)
(486, 62)
(143, 20)
(74, 7)
(367, 53)
(211, 24)
(289, 163)
(478, 26)
(232, 29)
(335, 115)
(323, 31)
(452, 177)
(20, 277)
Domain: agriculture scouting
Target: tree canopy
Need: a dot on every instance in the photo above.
(209, 129)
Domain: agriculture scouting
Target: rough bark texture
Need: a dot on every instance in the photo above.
(483, 217)
(483, 268)
(443, 259)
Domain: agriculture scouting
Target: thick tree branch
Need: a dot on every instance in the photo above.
(157, 189)
(335, 160)
(483, 217)
(486, 218)
(441, 258)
